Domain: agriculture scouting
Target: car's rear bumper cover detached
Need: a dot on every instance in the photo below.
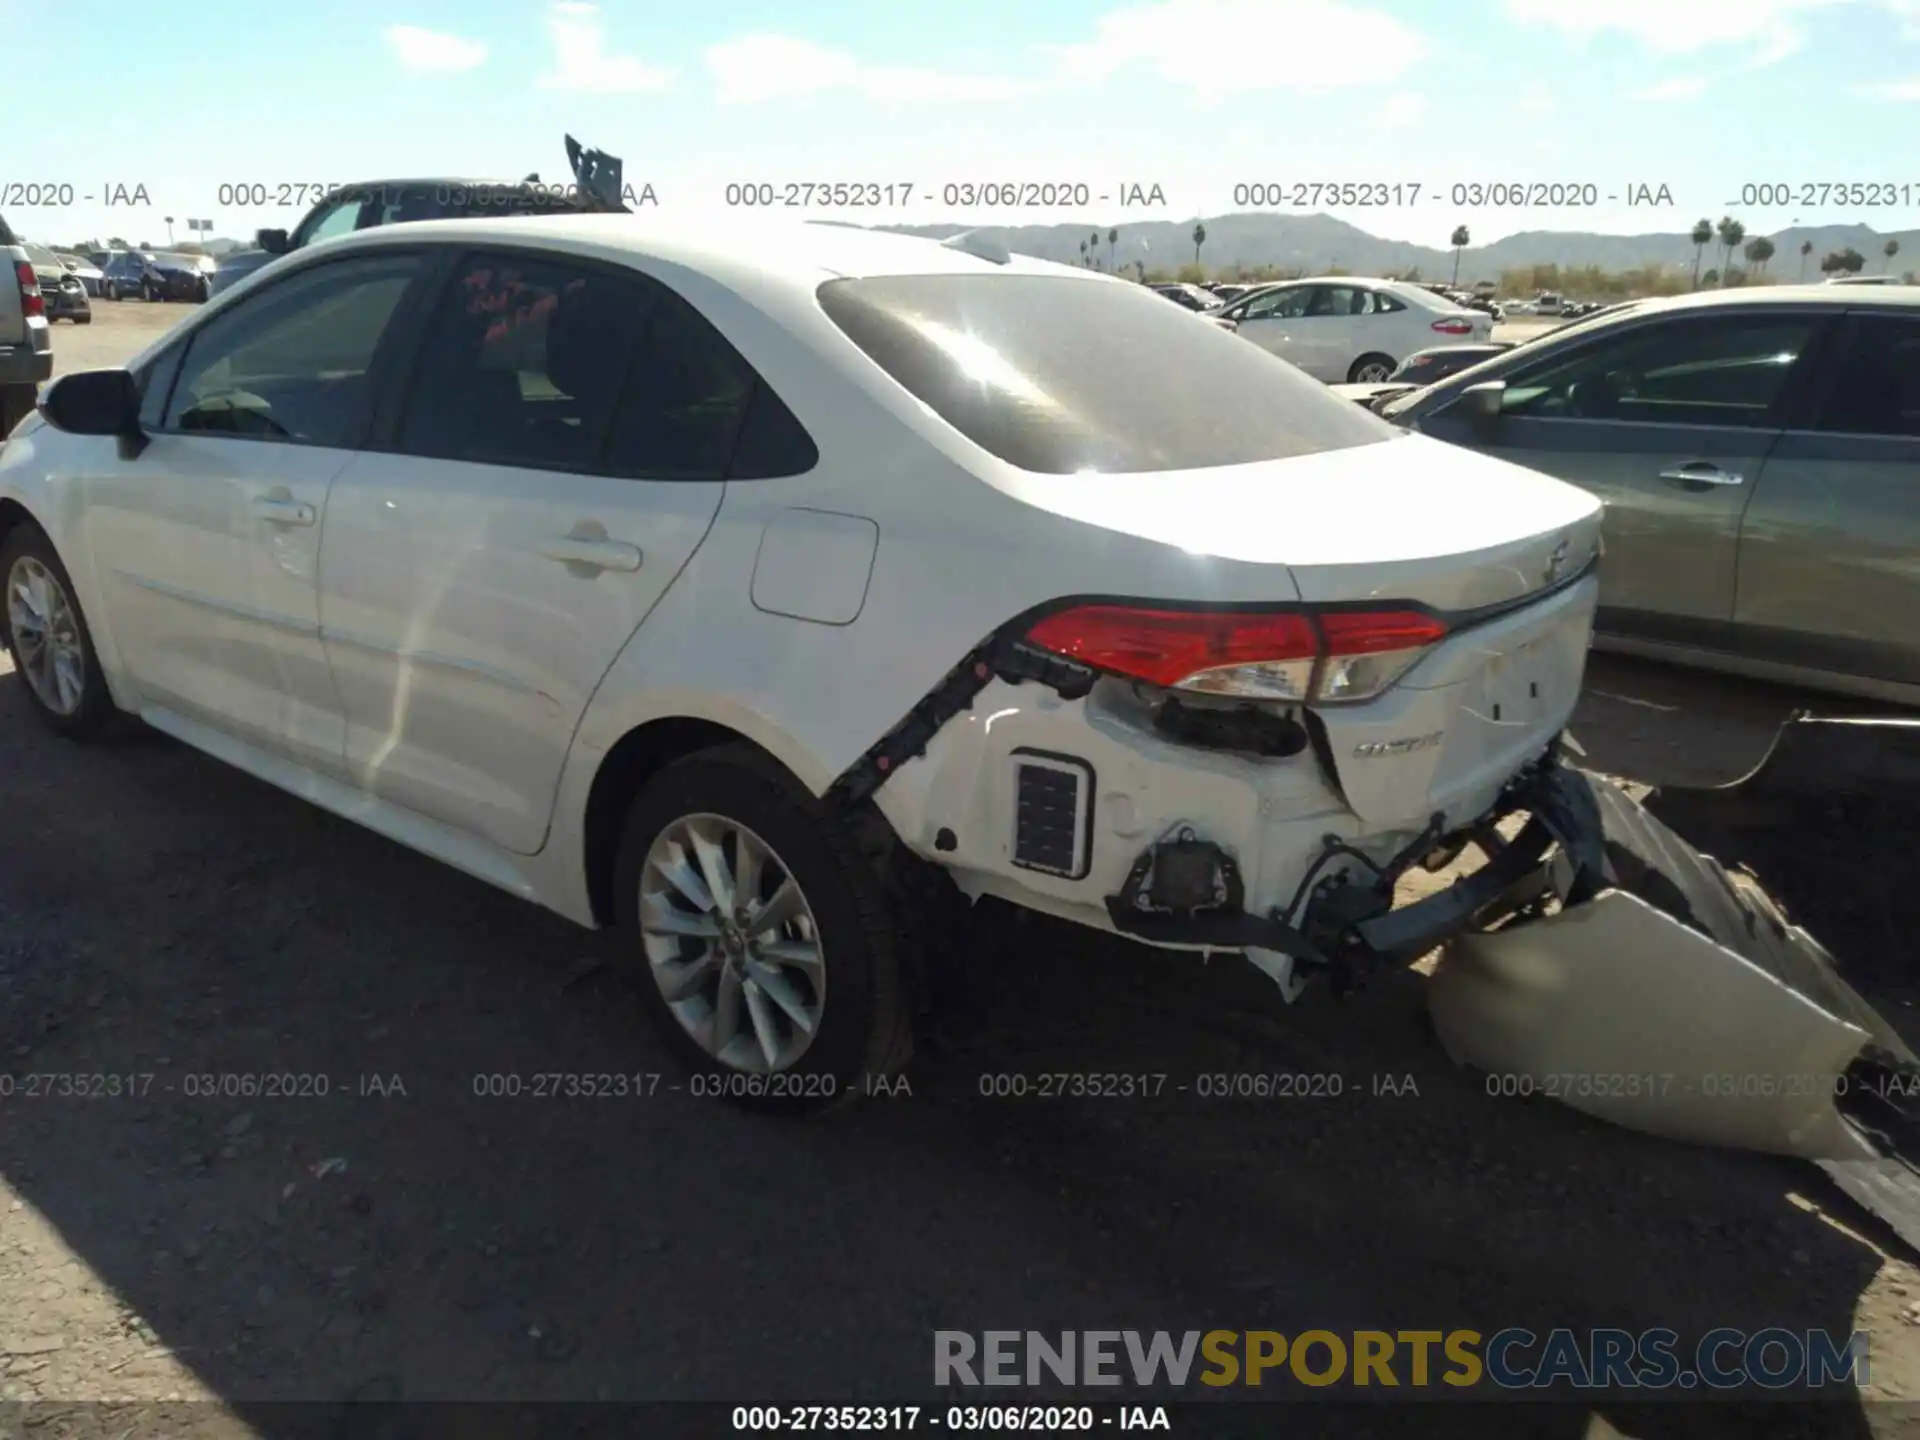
(1554, 970)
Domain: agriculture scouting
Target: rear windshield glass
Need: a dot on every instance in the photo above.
(1059, 375)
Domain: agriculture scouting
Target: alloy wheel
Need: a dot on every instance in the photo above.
(732, 943)
(46, 636)
(1372, 374)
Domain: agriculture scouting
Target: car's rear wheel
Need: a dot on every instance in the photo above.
(48, 637)
(86, 319)
(760, 940)
(1370, 370)
(109, 291)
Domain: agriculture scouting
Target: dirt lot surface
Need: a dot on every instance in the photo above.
(402, 1237)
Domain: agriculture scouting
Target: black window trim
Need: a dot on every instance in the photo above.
(378, 367)
(1788, 404)
(383, 435)
(1809, 415)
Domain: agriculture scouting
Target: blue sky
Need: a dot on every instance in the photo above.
(1193, 95)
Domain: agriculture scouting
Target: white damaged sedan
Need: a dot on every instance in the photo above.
(766, 596)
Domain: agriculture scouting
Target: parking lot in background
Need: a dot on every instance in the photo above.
(408, 1235)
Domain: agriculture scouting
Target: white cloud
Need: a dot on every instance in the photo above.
(757, 68)
(581, 62)
(1769, 31)
(1682, 87)
(434, 50)
(1399, 111)
(1898, 91)
(1536, 99)
(1308, 45)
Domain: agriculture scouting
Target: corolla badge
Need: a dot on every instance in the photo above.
(1556, 564)
(1404, 745)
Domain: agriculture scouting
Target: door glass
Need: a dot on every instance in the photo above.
(1279, 304)
(291, 363)
(339, 220)
(682, 405)
(523, 362)
(1877, 388)
(1685, 372)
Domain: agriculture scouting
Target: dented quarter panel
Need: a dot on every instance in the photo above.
(1622, 1012)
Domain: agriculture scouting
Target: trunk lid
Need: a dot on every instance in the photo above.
(1497, 550)
(1408, 519)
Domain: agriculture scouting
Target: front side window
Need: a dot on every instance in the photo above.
(1693, 370)
(339, 219)
(1061, 375)
(1876, 390)
(1288, 304)
(292, 362)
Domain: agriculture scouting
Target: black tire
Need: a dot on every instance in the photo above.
(109, 290)
(95, 709)
(864, 1028)
(86, 319)
(1648, 860)
(1360, 367)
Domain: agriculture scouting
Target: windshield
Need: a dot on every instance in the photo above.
(1059, 375)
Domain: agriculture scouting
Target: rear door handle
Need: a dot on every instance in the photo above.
(1701, 472)
(282, 511)
(593, 554)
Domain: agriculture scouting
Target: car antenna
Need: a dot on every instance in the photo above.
(598, 174)
(980, 245)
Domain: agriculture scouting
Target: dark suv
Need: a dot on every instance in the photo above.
(596, 187)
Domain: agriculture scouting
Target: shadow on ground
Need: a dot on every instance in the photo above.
(408, 1236)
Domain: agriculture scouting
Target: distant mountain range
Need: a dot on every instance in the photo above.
(1316, 243)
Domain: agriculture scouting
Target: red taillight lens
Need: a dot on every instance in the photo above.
(1287, 655)
(31, 302)
(1454, 327)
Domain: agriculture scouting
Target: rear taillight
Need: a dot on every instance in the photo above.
(31, 302)
(1454, 327)
(1298, 655)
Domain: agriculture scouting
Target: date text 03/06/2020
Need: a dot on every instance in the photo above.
(1325, 194)
(980, 194)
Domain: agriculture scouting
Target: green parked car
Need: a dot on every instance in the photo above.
(1758, 451)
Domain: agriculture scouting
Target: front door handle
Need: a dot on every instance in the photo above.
(592, 554)
(1701, 472)
(282, 510)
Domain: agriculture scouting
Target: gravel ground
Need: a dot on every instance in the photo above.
(402, 1237)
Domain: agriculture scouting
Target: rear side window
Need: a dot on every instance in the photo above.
(537, 362)
(1876, 390)
(1059, 375)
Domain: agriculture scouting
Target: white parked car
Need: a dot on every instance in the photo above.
(766, 598)
(1351, 331)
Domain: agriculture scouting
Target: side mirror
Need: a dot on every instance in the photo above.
(274, 242)
(1484, 403)
(97, 402)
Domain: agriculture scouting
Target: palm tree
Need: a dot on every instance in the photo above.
(169, 220)
(1890, 249)
(1113, 239)
(1199, 239)
(1758, 252)
(1461, 239)
(1806, 249)
(1083, 252)
(1730, 232)
(1702, 235)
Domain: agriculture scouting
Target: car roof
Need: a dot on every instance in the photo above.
(792, 255)
(1816, 294)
